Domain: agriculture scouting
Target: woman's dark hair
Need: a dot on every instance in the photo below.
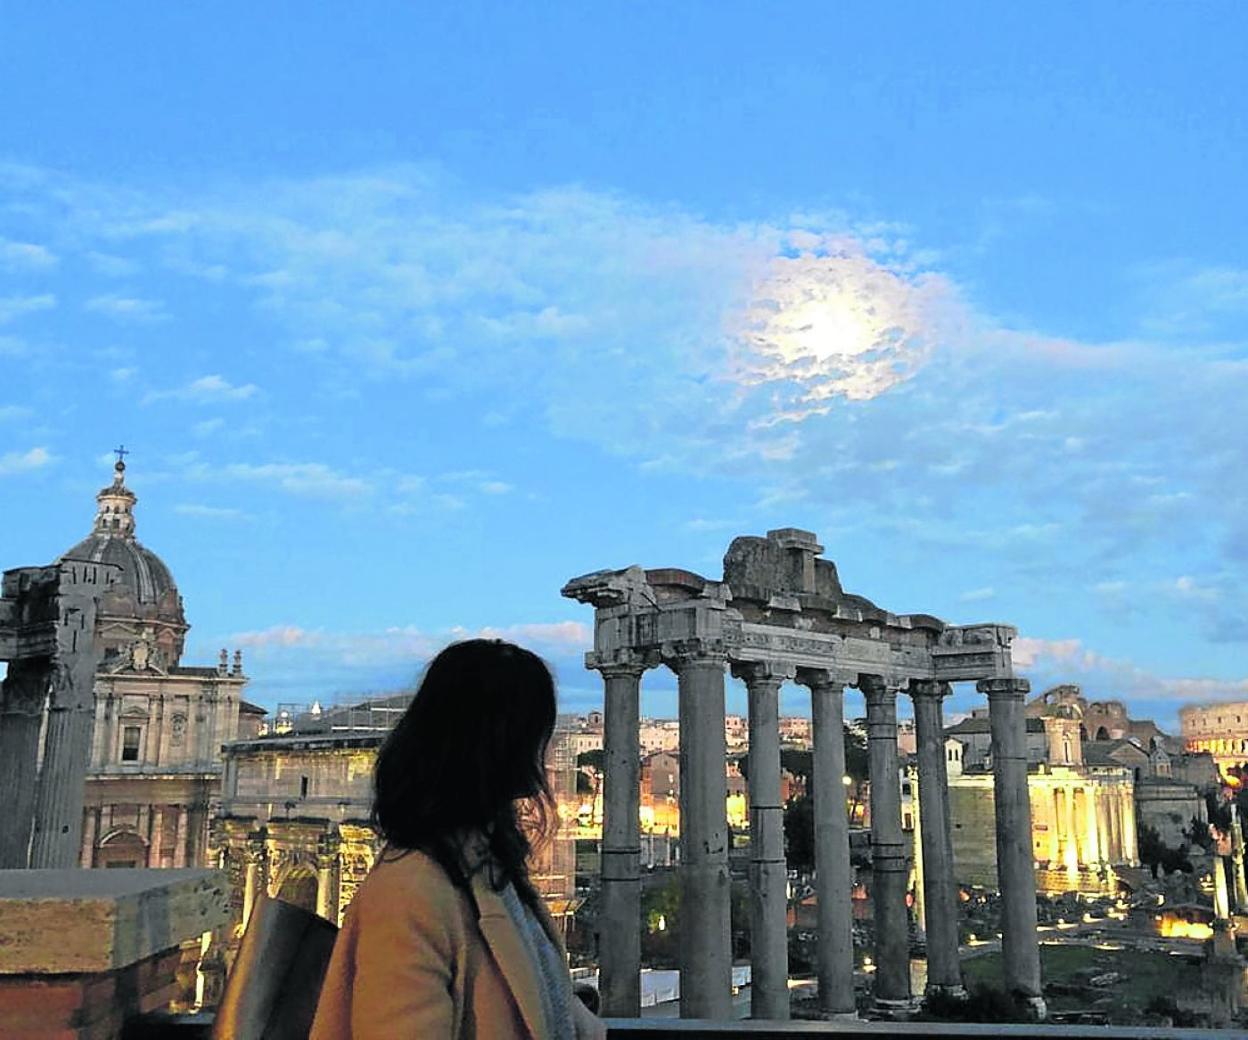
(471, 745)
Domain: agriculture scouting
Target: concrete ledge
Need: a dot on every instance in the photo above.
(88, 921)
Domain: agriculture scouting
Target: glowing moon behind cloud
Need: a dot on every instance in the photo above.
(834, 322)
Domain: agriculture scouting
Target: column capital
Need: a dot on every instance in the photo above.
(1008, 689)
(256, 846)
(685, 653)
(876, 687)
(822, 678)
(928, 689)
(624, 662)
(762, 672)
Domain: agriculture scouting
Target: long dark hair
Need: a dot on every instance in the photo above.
(469, 748)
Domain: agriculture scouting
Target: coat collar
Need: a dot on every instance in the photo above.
(510, 953)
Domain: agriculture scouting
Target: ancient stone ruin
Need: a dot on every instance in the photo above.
(779, 613)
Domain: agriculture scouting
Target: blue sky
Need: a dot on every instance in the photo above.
(409, 314)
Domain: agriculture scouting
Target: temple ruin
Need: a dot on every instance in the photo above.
(780, 614)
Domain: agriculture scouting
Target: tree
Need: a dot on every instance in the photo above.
(1150, 846)
(595, 758)
(1155, 853)
(856, 758)
(660, 924)
(799, 833)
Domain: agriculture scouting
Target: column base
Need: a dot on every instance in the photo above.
(839, 1016)
(900, 1009)
(1036, 1007)
(937, 989)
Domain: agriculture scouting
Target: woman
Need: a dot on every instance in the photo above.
(447, 936)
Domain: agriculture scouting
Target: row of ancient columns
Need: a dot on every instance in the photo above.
(705, 941)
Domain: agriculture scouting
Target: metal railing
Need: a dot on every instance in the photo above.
(167, 1026)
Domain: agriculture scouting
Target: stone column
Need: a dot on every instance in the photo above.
(1015, 866)
(1237, 858)
(156, 850)
(327, 850)
(56, 843)
(769, 932)
(705, 929)
(21, 716)
(90, 835)
(620, 923)
(1095, 856)
(155, 753)
(1101, 813)
(179, 842)
(254, 881)
(833, 873)
(1130, 842)
(889, 870)
(1070, 832)
(944, 972)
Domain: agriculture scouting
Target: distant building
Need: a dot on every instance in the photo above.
(975, 735)
(155, 770)
(294, 815)
(1082, 798)
(1221, 730)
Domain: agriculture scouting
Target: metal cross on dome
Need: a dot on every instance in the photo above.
(121, 453)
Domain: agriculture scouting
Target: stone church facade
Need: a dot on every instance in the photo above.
(155, 772)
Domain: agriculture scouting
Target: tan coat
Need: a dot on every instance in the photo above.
(414, 960)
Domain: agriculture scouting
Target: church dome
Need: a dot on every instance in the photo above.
(143, 601)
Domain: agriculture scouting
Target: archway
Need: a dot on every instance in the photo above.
(299, 887)
(122, 849)
(1102, 733)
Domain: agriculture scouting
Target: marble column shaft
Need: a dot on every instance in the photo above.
(889, 869)
(1015, 866)
(769, 933)
(21, 715)
(90, 835)
(620, 925)
(57, 840)
(833, 872)
(155, 850)
(705, 928)
(179, 842)
(944, 972)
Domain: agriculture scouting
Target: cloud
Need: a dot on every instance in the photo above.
(308, 479)
(829, 366)
(127, 308)
(25, 256)
(977, 595)
(10, 412)
(111, 266)
(208, 389)
(24, 462)
(277, 635)
(208, 512)
(13, 307)
(1068, 660)
(411, 643)
(207, 427)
